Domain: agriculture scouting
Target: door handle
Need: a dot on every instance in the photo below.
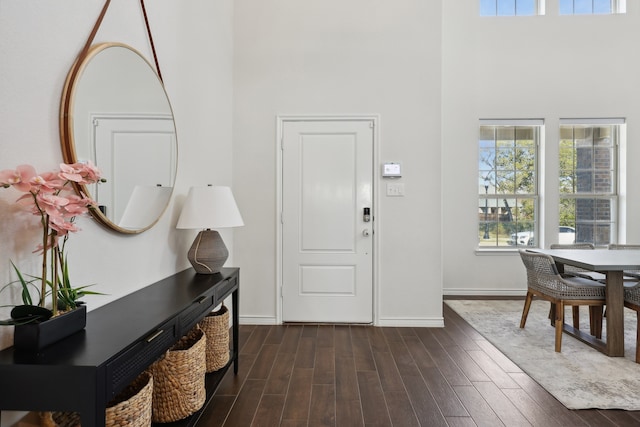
(365, 232)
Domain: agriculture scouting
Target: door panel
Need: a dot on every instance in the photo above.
(327, 280)
(327, 257)
(122, 148)
(327, 192)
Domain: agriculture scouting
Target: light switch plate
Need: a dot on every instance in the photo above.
(395, 189)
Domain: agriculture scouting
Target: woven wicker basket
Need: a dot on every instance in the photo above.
(131, 407)
(216, 328)
(179, 388)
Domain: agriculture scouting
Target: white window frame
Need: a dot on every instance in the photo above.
(538, 7)
(496, 198)
(617, 6)
(620, 133)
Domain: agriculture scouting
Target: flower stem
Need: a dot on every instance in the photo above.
(45, 236)
(54, 281)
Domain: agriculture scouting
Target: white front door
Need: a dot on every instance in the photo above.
(327, 243)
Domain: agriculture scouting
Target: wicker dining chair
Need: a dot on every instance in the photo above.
(573, 271)
(544, 281)
(632, 301)
(624, 246)
(632, 293)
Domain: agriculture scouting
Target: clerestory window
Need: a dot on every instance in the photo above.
(510, 7)
(591, 7)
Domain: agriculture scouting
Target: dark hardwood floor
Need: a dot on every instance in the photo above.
(341, 375)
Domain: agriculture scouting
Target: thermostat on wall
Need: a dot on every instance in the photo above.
(391, 170)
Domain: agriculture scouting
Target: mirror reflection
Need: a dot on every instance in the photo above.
(118, 116)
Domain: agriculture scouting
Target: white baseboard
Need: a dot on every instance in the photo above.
(401, 322)
(258, 320)
(484, 292)
(410, 322)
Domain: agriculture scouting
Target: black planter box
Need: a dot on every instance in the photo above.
(36, 336)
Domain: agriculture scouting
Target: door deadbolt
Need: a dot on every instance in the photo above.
(366, 217)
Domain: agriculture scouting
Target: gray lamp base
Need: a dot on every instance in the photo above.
(208, 252)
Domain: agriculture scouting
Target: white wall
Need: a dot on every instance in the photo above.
(334, 57)
(39, 41)
(547, 67)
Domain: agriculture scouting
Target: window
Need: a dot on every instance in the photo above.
(508, 183)
(591, 7)
(509, 7)
(589, 179)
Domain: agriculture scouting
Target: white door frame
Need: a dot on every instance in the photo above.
(280, 120)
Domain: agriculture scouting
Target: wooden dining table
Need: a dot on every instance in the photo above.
(611, 263)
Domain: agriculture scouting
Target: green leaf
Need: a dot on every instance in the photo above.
(26, 296)
(68, 296)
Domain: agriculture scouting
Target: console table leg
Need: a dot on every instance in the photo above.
(235, 297)
(92, 417)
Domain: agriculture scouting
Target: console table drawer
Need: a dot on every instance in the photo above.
(225, 288)
(126, 367)
(195, 313)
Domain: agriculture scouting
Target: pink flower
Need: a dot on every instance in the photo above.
(19, 178)
(51, 182)
(51, 203)
(62, 226)
(82, 173)
(78, 205)
(50, 197)
(26, 199)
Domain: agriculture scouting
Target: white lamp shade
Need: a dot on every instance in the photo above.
(210, 207)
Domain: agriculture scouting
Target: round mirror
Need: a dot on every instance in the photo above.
(116, 113)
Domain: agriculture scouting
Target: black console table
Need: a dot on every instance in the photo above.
(83, 372)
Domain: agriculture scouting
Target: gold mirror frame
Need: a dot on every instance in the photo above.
(69, 137)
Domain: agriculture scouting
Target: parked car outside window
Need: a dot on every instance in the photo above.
(523, 238)
(566, 236)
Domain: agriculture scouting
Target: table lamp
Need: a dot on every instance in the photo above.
(209, 208)
(145, 205)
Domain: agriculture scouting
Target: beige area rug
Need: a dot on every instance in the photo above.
(579, 377)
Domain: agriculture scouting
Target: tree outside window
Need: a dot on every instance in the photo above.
(507, 185)
(588, 181)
